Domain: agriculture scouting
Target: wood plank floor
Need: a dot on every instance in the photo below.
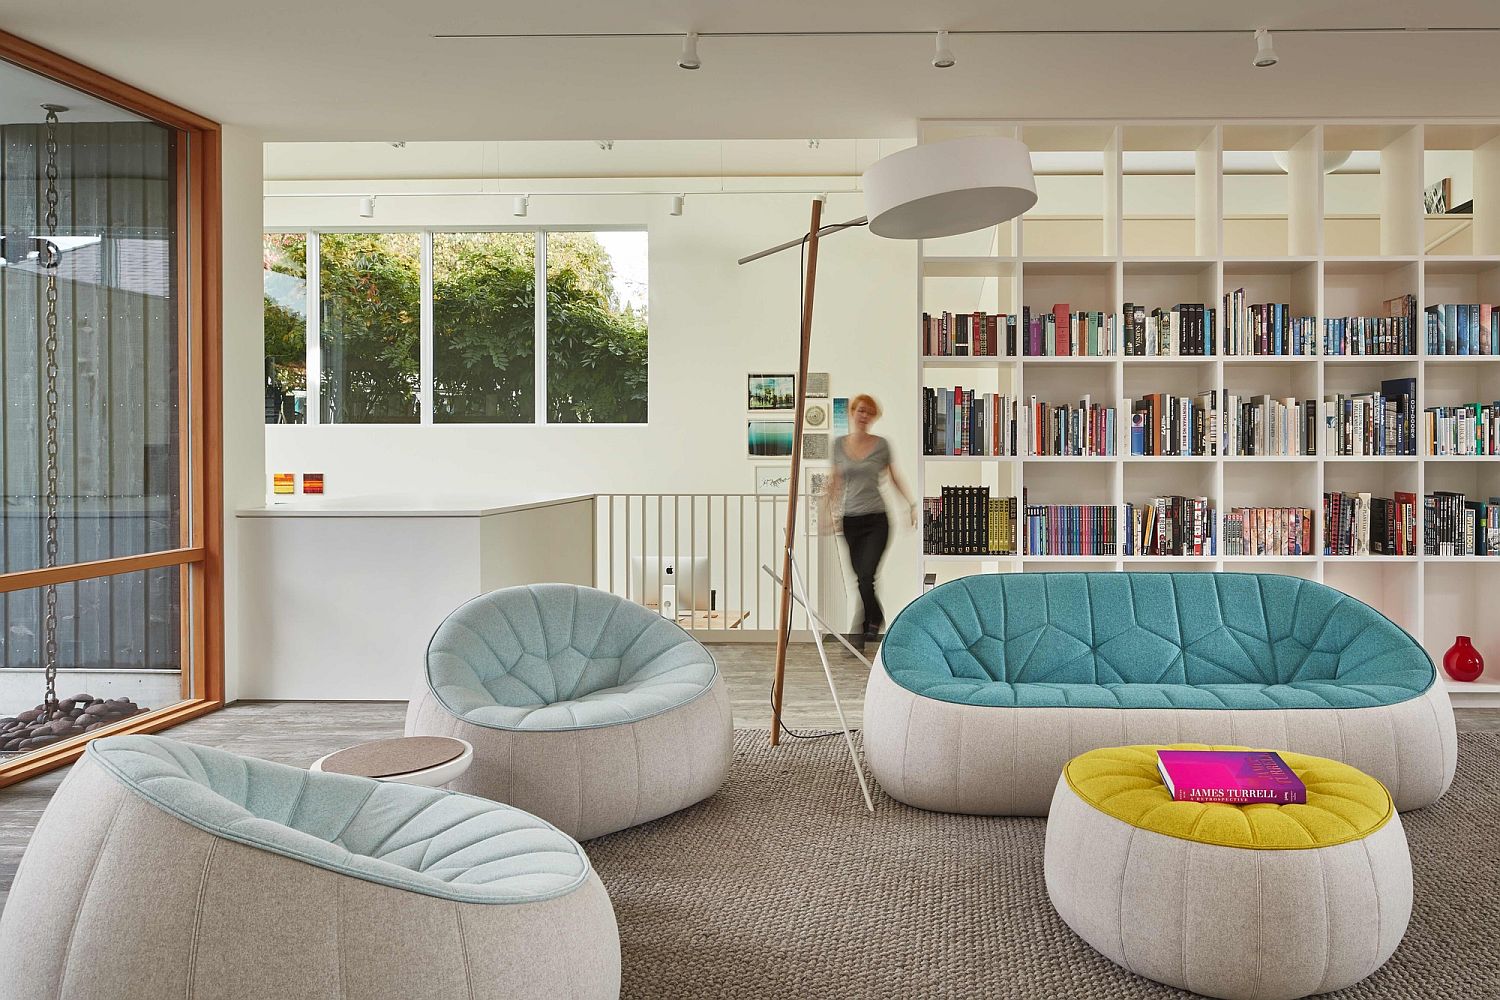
(298, 733)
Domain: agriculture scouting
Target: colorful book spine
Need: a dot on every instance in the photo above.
(1236, 777)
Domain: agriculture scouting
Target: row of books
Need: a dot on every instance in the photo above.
(1268, 531)
(1470, 429)
(1065, 334)
(1372, 423)
(1170, 526)
(1164, 424)
(1394, 331)
(1263, 425)
(1184, 330)
(1072, 529)
(960, 421)
(966, 520)
(1086, 428)
(1462, 330)
(1268, 328)
(1358, 524)
(1454, 525)
(966, 335)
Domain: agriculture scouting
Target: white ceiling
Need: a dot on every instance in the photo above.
(22, 95)
(372, 70)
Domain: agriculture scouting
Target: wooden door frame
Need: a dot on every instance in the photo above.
(200, 330)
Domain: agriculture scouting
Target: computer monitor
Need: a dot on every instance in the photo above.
(688, 573)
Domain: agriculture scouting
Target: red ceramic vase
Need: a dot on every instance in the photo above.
(1463, 661)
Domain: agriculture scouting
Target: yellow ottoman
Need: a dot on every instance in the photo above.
(1243, 902)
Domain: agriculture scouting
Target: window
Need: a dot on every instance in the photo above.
(484, 328)
(109, 363)
(596, 328)
(284, 280)
(480, 321)
(369, 295)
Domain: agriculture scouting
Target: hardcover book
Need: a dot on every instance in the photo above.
(1237, 777)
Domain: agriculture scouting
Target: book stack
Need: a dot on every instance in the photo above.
(1262, 425)
(1469, 429)
(1087, 428)
(1062, 333)
(1372, 423)
(960, 421)
(1454, 525)
(968, 335)
(1170, 526)
(1358, 524)
(1072, 530)
(1461, 330)
(1394, 331)
(967, 521)
(1268, 531)
(1164, 424)
(1185, 330)
(1269, 328)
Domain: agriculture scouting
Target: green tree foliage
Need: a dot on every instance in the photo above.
(484, 302)
(286, 329)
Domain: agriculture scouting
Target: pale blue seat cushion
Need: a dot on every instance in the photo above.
(424, 840)
(1242, 641)
(559, 657)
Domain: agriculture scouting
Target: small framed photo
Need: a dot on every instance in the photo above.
(817, 385)
(816, 415)
(769, 438)
(772, 480)
(815, 447)
(840, 416)
(817, 481)
(771, 392)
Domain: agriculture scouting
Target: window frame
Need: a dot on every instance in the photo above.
(427, 330)
(199, 554)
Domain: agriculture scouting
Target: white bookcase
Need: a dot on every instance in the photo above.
(1160, 213)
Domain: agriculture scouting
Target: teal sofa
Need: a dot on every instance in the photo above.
(986, 686)
(164, 869)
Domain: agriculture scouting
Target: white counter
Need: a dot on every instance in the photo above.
(342, 593)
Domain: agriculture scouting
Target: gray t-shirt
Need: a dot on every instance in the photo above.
(862, 476)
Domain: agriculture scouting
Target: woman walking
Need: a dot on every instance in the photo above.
(861, 461)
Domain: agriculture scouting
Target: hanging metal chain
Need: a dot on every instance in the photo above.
(49, 257)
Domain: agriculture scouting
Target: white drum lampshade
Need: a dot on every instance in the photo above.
(946, 188)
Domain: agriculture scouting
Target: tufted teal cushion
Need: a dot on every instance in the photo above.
(424, 840)
(556, 657)
(1151, 640)
(1343, 803)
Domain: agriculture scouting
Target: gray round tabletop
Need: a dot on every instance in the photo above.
(414, 760)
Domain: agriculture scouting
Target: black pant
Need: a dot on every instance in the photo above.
(866, 536)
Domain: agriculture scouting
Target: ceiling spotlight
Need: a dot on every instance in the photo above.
(814, 143)
(367, 207)
(678, 200)
(1265, 55)
(519, 206)
(689, 58)
(943, 57)
(606, 144)
(399, 144)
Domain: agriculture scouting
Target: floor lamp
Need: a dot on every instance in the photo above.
(922, 192)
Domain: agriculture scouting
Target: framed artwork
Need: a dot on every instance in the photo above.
(1437, 199)
(817, 481)
(815, 447)
(771, 392)
(817, 385)
(769, 438)
(284, 482)
(772, 480)
(312, 483)
(816, 415)
(840, 416)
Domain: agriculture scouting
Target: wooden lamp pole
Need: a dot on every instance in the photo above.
(784, 610)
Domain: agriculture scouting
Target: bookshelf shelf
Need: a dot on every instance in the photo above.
(1325, 244)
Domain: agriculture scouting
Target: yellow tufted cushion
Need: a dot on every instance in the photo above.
(1343, 803)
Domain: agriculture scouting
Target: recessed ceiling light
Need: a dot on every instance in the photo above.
(943, 57)
(689, 58)
(1265, 54)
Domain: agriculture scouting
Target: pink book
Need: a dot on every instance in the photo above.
(1238, 777)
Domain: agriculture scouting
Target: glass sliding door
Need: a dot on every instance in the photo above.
(103, 597)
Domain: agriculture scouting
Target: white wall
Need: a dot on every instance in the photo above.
(712, 322)
(244, 349)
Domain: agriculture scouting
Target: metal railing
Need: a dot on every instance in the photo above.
(714, 544)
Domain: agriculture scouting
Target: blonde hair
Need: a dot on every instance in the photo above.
(863, 399)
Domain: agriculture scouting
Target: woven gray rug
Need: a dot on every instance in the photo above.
(782, 886)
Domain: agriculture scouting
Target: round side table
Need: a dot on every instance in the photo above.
(432, 761)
